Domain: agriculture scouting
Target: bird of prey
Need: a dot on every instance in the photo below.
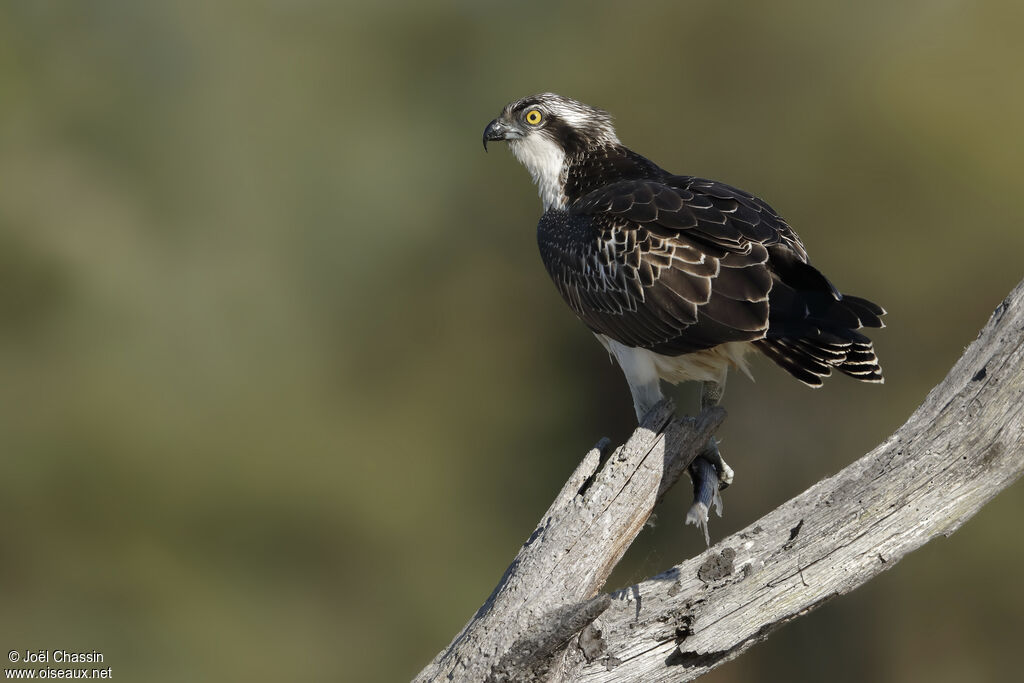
(677, 276)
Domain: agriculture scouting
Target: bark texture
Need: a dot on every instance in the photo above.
(547, 620)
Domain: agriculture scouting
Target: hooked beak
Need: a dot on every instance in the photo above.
(499, 130)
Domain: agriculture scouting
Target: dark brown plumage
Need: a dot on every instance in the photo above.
(677, 264)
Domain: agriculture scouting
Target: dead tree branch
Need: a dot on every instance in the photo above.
(546, 620)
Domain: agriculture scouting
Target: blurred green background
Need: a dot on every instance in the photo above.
(284, 385)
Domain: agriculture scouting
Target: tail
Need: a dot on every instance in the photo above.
(812, 328)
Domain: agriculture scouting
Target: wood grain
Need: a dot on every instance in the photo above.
(962, 446)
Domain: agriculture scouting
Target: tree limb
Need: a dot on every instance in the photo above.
(962, 446)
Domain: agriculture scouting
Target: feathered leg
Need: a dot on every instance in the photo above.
(709, 471)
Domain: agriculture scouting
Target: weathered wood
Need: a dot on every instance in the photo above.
(958, 450)
(569, 556)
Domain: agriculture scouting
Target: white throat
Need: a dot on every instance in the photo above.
(545, 161)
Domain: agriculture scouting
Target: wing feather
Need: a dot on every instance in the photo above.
(677, 264)
(664, 265)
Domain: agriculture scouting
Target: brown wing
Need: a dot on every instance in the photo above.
(675, 265)
(681, 264)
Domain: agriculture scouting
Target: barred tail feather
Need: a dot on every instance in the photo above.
(826, 340)
(811, 360)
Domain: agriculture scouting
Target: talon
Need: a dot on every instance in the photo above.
(725, 473)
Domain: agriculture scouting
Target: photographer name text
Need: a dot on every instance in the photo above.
(60, 657)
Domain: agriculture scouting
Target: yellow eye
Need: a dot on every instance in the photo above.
(533, 117)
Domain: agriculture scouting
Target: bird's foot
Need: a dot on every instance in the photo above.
(723, 471)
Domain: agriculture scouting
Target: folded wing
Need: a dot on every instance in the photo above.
(681, 264)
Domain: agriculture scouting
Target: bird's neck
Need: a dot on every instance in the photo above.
(596, 167)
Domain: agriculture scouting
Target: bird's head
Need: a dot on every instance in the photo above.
(545, 130)
(548, 117)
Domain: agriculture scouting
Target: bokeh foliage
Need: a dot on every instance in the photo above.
(284, 384)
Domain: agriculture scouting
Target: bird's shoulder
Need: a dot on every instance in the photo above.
(702, 209)
(646, 281)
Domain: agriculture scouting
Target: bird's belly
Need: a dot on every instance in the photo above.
(707, 365)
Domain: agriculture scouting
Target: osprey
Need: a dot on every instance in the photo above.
(678, 277)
